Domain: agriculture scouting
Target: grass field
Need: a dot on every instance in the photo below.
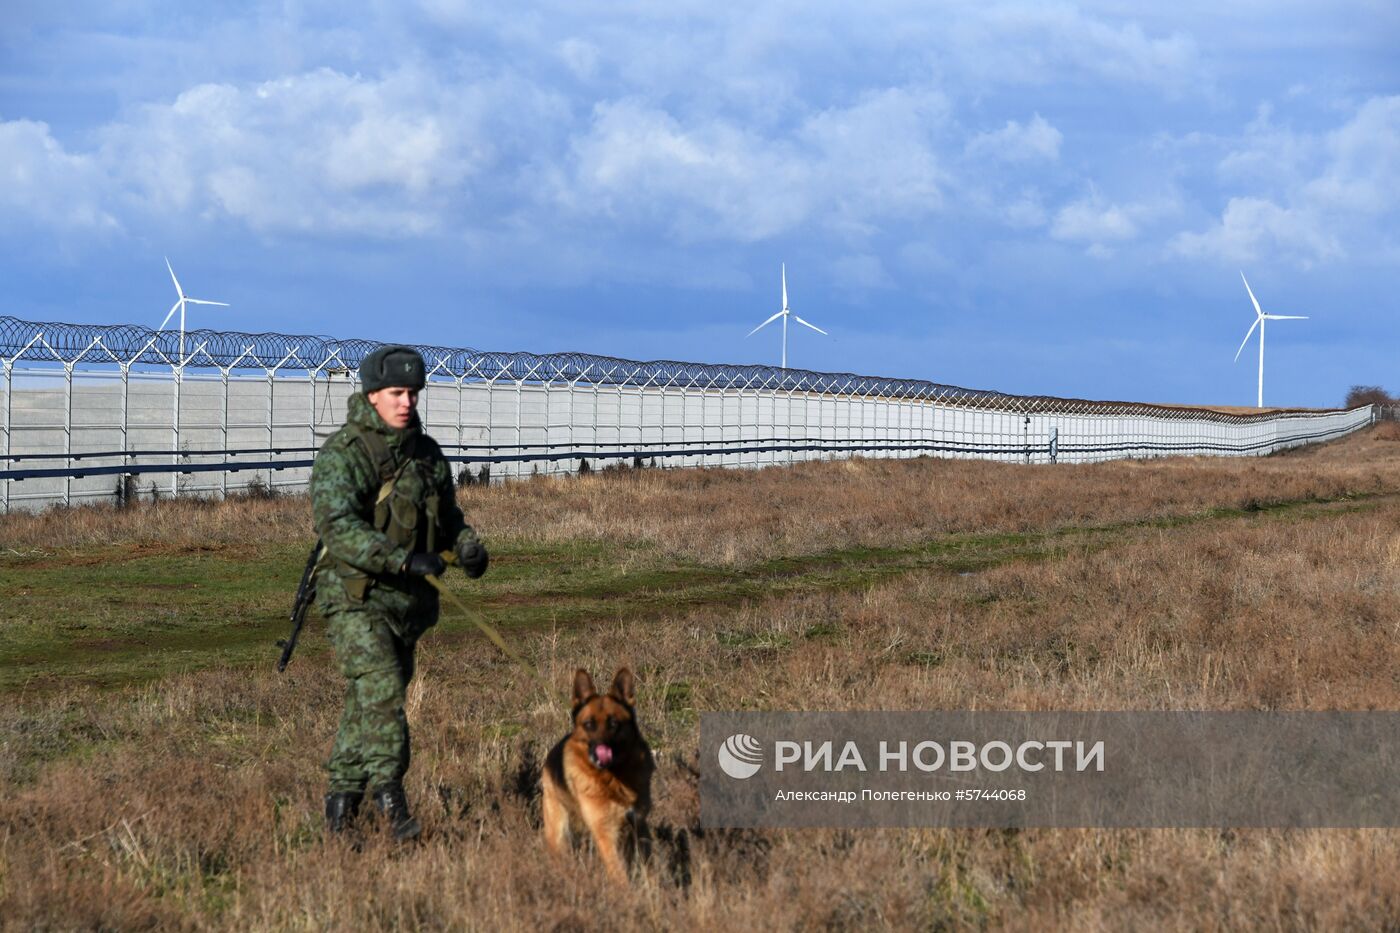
(156, 772)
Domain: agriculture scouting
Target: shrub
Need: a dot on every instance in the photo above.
(258, 488)
(126, 490)
(1366, 395)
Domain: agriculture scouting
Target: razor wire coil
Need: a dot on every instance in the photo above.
(129, 345)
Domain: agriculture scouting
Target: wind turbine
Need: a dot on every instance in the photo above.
(183, 300)
(785, 313)
(1259, 319)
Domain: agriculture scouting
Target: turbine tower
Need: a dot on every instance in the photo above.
(183, 300)
(785, 313)
(1259, 318)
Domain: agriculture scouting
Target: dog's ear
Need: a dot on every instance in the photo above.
(583, 687)
(624, 687)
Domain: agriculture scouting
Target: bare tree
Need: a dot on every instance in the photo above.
(1367, 395)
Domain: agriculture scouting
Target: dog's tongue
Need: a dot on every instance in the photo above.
(603, 754)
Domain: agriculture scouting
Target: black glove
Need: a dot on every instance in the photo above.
(471, 554)
(421, 565)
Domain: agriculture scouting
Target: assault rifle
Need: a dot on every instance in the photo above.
(306, 595)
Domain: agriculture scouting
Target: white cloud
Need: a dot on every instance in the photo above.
(1035, 42)
(580, 55)
(1337, 202)
(41, 183)
(689, 49)
(923, 256)
(1362, 175)
(1093, 221)
(319, 152)
(878, 158)
(1253, 227)
(688, 121)
(846, 169)
(1024, 213)
(638, 165)
(410, 153)
(861, 272)
(695, 123)
(1101, 224)
(1268, 157)
(1036, 140)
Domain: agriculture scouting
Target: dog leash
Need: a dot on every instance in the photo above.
(487, 629)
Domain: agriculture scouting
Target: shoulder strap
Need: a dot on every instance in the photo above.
(389, 471)
(378, 452)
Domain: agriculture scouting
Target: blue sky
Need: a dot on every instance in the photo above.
(1033, 197)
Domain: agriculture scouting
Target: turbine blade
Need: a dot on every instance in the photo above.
(168, 313)
(764, 324)
(784, 286)
(1285, 317)
(1247, 335)
(813, 326)
(201, 301)
(178, 290)
(1257, 309)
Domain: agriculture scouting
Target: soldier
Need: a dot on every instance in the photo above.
(384, 504)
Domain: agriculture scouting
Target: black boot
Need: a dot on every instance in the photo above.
(391, 803)
(341, 808)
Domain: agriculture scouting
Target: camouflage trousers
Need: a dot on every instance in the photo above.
(371, 748)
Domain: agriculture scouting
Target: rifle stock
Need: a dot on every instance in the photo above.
(306, 595)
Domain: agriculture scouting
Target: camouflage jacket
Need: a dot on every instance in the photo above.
(369, 539)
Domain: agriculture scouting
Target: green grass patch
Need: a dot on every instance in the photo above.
(926, 658)
(822, 630)
(111, 617)
(754, 641)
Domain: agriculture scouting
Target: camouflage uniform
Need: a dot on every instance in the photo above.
(374, 611)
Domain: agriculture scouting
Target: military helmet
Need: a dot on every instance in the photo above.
(392, 365)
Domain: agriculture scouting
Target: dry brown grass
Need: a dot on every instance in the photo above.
(193, 803)
(1386, 431)
(725, 516)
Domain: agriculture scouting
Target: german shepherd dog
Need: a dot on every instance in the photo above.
(599, 775)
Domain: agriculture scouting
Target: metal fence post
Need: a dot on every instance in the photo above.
(8, 366)
(179, 376)
(461, 442)
(595, 416)
(68, 432)
(491, 428)
(224, 372)
(271, 419)
(272, 408)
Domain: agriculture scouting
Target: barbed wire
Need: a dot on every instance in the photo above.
(130, 345)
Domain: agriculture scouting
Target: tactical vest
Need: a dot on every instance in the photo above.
(396, 509)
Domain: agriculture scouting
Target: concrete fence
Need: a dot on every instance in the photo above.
(87, 409)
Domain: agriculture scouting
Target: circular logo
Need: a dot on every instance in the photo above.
(740, 756)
